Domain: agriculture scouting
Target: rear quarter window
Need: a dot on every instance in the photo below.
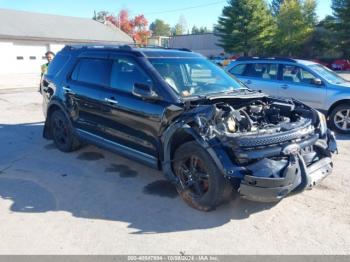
(57, 64)
(93, 71)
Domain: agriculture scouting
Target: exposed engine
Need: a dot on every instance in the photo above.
(255, 117)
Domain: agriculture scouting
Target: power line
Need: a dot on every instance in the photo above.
(186, 8)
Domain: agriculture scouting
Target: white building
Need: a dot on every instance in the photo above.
(162, 41)
(25, 37)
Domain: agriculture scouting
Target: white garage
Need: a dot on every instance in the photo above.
(25, 39)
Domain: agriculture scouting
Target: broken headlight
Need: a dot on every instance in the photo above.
(323, 123)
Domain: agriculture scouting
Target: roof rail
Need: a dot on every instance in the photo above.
(250, 58)
(122, 46)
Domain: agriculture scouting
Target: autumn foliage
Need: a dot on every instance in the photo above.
(136, 27)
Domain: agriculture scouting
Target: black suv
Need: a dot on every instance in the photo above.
(176, 111)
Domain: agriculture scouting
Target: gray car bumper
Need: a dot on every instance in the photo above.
(294, 175)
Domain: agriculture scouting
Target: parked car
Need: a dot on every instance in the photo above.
(220, 61)
(341, 65)
(322, 62)
(178, 112)
(311, 83)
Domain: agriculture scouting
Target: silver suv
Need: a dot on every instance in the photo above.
(306, 81)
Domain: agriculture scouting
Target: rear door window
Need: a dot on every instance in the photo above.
(264, 71)
(93, 71)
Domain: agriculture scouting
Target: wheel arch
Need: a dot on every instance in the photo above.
(54, 106)
(177, 136)
(338, 103)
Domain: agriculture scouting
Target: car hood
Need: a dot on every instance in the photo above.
(343, 85)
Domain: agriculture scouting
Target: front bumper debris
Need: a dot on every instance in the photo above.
(270, 180)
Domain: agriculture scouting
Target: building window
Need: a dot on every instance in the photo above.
(32, 57)
(20, 57)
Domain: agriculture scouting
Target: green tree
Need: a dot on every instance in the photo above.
(101, 16)
(181, 27)
(195, 30)
(323, 42)
(204, 30)
(201, 30)
(341, 11)
(295, 25)
(178, 30)
(160, 28)
(246, 26)
(309, 12)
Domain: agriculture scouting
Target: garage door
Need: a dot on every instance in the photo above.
(28, 58)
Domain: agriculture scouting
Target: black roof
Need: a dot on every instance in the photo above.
(149, 51)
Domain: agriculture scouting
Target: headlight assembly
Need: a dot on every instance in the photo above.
(323, 123)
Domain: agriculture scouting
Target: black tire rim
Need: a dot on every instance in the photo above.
(60, 131)
(342, 119)
(193, 176)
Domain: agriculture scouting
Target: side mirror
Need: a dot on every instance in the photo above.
(144, 91)
(317, 82)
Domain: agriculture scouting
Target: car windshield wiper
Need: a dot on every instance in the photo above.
(229, 92)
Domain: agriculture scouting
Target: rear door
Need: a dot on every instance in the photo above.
(297, 82)
(83, 90)
(258, 76)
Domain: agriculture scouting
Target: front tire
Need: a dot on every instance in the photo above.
(339, 119)
(200, 183)
(62, 132)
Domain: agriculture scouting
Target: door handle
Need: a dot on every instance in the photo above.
(248, 82)
(111, 100)
(68, 90)
(285, 86)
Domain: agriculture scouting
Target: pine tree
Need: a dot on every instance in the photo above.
(245, 26)
(341, 10)
(295, 25)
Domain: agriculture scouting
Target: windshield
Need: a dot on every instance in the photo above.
(194, 76)
(328, 74)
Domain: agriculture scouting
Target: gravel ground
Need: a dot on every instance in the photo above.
(95, 202)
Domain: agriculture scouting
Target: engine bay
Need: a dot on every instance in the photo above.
(257, 116)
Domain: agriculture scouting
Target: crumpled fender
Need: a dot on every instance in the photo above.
(214, 148)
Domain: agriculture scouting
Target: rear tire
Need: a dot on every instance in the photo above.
(62, 132)
(201, 184)
(339, 119)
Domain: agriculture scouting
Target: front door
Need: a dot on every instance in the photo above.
(129, 120)
(298, 83)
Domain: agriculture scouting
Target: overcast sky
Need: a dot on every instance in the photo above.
(198, 12)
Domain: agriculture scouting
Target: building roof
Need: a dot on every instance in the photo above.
(35, 26)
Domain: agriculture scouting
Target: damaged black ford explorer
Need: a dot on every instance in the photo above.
(177, 112)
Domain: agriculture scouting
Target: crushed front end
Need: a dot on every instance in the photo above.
(272, 147)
